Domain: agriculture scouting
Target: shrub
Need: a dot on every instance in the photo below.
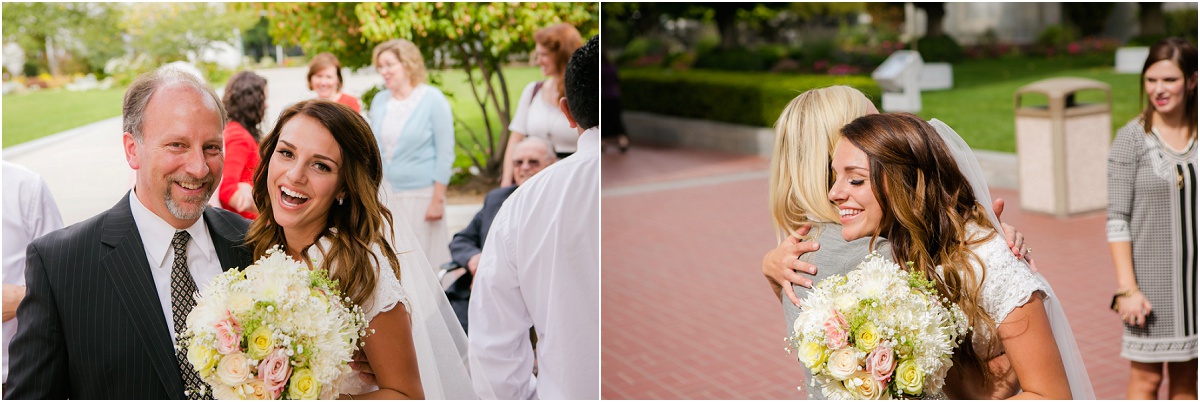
(731, 60)
(816, 50)
(214, 73)
(1056, 36)
(1145, 40)
(31, 69)
(128, 67)
(680, 60)
(1182, 23)
(941, 49)
(771, 54)
(754, 99)
(641, 48)
(368, 96)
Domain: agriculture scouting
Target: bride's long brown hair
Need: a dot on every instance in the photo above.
(927, 206)
(356, 224)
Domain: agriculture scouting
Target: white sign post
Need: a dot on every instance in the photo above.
(900, 78)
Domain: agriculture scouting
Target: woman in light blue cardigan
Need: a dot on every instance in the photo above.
(415, 128)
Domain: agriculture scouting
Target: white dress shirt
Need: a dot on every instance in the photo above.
(541, 267)
(29, 213)
(156, 237)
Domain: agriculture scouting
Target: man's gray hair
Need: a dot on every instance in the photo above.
(551, 157)
(137, 97)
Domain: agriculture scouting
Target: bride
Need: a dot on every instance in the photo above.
(805, 136)
(896, 176)
(318, 194)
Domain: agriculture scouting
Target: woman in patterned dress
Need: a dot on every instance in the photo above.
(1152, 226)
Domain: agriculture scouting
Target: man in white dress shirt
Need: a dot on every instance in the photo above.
(541, 267)
(29, 213)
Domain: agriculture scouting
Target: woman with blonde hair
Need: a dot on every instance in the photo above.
(805, 136)
(414, 126)
(537, 112)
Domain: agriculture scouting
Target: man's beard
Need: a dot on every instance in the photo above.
(182, 208)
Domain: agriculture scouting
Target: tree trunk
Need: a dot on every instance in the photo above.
(726, 17)
(934, 14)
(1151, 19)
(51, 57)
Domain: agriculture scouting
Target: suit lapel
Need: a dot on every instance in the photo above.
(129, 270)
(228, 241)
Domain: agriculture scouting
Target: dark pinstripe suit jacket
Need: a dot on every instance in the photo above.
(92, 326)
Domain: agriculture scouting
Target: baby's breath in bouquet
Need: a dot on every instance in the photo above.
(879, 332)
(274, 329)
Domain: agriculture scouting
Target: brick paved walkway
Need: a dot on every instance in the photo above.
(687, 314)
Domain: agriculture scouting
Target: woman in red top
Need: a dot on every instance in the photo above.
(325, 77)
(246, 102)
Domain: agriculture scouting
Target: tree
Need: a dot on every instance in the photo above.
(177, 31)
(476, 37)
(934, 13)
(88, 31)
(1151, 19)
(257, 40)
(1089, 18)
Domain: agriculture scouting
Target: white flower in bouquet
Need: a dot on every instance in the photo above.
(275, 329)
(879, 332)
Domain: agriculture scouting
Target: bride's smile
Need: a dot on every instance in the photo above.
(304, 175)
(858, 209)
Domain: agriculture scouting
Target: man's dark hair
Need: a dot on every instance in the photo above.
(583, 84)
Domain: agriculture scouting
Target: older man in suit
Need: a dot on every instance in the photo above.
(105, 297)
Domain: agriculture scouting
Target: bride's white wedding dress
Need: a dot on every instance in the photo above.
(438, 338)
(1010, 282)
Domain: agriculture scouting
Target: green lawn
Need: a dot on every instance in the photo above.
(38, 114)
(981, 107)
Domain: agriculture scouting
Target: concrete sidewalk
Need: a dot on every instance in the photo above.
(687, 314)
(86, 170)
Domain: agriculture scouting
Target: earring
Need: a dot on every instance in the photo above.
(340, 199)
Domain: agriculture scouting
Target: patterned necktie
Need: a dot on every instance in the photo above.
(183, 290)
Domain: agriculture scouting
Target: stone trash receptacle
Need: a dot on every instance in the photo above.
(1062, 147)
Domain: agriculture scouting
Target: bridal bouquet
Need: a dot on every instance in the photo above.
(878, 332)
(275, 328)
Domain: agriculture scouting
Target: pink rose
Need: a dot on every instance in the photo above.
(836, 331)
(275, 370)
(229, 337)
(881, 363)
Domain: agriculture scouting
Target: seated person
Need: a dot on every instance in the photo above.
(529, 157)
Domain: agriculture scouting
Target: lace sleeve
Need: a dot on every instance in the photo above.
(388, 291)
(1008, 283)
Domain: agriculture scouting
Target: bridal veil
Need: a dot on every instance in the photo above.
(1064, 337)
